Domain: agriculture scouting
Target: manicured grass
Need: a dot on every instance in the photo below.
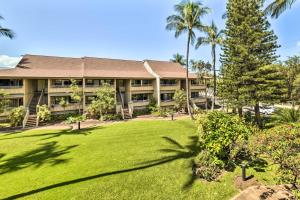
(118, 161)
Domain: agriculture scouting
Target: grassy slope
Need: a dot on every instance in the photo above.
(89, 164)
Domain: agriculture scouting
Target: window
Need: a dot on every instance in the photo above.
(13, 103)
(167, 82)
(89, 99)
(146, 82)
(55, 100)
(195, 82)
(140, 97)
(195, 95)
(97, 82)
(63, 83)
(166, 97)
(6, 83)
(136, 83)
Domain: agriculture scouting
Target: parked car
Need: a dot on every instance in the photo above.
(267, 110)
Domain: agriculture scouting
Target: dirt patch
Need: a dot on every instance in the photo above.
(242, 185)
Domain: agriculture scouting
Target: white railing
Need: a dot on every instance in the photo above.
(25, 117)
(130, 109)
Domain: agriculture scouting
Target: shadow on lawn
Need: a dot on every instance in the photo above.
(180, 152)
(47, 153)
(54, 134)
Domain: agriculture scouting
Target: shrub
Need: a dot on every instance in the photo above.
(140, 112)
(44, 114)
(207, 166)
(281, 145)
(159, 112)
(286, 115)
(16, 116)
(76, 119)
(111, 117)
(152, 104)
(62, 116)
(180, 99)
(224, 136)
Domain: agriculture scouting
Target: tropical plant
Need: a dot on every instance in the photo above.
(4, 101)
(178, 58)
(76, 95)
(281, 145)
(6, 32)
(179, 99)
(16, 116)
(201, 68)
(186, 20)
(105, 100)
(43, 114)
(224, 136)
(291, 69)
(286, 115)
(213, 37)
(277, 7)
(63, 103)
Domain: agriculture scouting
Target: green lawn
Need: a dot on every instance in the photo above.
(118, 161)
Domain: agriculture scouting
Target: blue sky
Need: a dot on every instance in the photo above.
(131, 29)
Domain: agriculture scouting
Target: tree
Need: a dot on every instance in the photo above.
(179, 99)
(292, 70)
(277, 7)
(178, 58)
(76, 95)
(63, 103)
(186, 20)
(4, 101)
(213, 37)
(6, 32)
(249, 50)
(201, 68)
(105, 100)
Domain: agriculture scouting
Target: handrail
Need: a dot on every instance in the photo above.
(130, 109)
(25, 117)
(37, 108)
(122, 113)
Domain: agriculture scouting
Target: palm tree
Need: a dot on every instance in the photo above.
(178, 58)
(5, 31)
(277, 7)
(213, 37)
(201, 68)
(286, 115)
(186, 20)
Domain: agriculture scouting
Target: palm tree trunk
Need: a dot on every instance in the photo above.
(213, 52)
(187, 77)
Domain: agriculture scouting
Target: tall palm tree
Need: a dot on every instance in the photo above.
(5, 31)
(277, 7)
(213, 37)
(186, 20)
(178, 58)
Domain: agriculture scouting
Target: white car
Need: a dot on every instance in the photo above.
(267, 110)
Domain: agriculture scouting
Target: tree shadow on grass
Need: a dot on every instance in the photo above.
(179, 152)
(46, 136)
(47, 153)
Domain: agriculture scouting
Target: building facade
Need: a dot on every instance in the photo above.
(38, 80)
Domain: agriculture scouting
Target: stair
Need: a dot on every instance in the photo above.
(33, 103)
(126, 113)
(31, 122)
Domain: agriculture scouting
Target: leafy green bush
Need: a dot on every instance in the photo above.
(224, 136)
(179, 99)
(207, 166)
(159, 112)
(76, 119)
(44, 114)
(286, 115)
(62, 116)
(281, 145)
(139, 112)
(111, 117)
(152, 104)
(16, 116)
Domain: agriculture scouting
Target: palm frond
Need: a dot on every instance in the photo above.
(277, 7)
(7, 33)
(173, 142)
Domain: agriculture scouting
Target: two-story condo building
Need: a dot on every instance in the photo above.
(40, 80)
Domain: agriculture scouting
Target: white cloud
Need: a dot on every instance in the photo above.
(7, 61)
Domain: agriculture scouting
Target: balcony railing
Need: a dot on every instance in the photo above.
(140, 101)
(167, 85)
(141, 85)
(11, 87)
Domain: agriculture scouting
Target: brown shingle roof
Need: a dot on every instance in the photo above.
(45, 66)
(102, 67)
(166, 69)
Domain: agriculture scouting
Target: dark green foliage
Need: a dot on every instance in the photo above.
(112, 117)
(248, 77)
(139, 112)
(62, 116)
(286, 115)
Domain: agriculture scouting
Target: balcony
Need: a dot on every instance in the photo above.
(197, 87)
(93, 88)
(198, 100)
(169, 87)
(60, 89)
(167, 103)
(140, 103)
(13, 89)
(144, 87)
(70, 107)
